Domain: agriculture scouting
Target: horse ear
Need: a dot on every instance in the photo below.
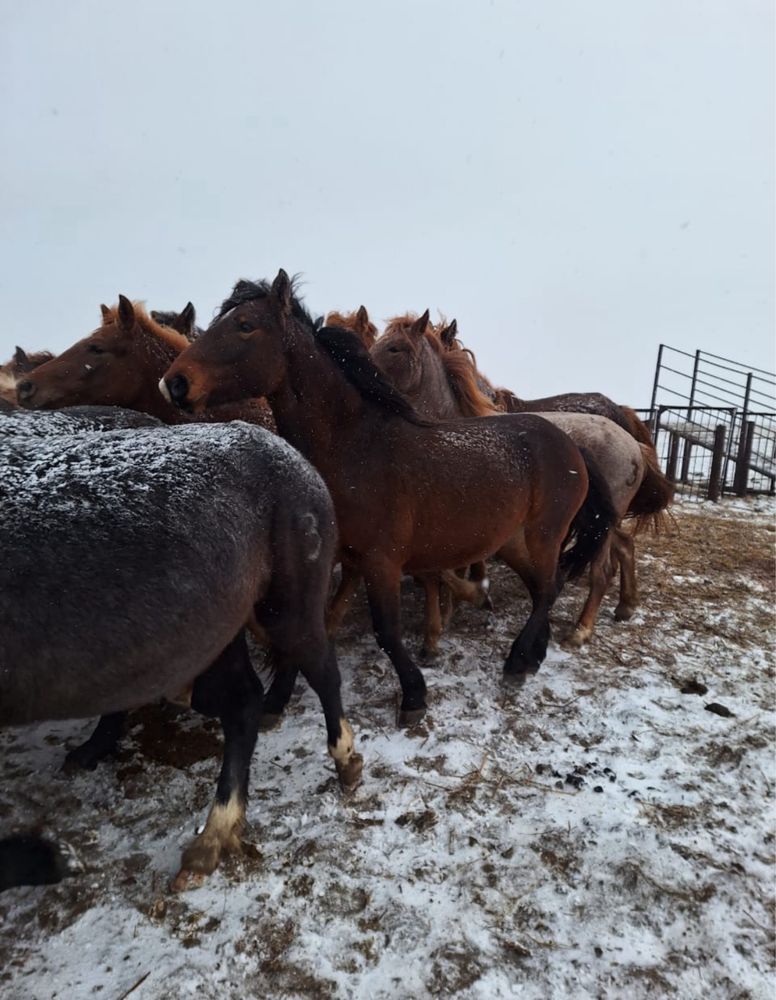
(184, 321)
(126, 313)
(319, 323)
(107, 315)
(418, 328)
(20, 356)
(448, 335)
(281, 292)
(363, 318)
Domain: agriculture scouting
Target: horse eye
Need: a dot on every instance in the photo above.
(394, 350)
(96, 349)
(245, 326)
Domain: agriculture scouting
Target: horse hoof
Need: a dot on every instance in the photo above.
(269, 721)
(81, 758)
(187, 879)
(624, 612)
(429, 653)
(576, 640)
(350, 774)
(409, 716)
(487, 604)
(517, 678)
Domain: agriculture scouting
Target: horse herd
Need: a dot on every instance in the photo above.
(137, 554)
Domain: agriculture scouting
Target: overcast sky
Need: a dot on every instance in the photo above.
(574, 181)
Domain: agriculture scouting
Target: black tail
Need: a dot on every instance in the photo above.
(591, 523)
(28, 859)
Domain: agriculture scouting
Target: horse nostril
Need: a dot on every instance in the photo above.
(178, 387)
(25, 389)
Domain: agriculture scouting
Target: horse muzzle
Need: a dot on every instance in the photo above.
(176, 390)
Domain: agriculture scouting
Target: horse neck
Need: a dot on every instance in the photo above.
(153, 357)
(433, 398)
(315, 408)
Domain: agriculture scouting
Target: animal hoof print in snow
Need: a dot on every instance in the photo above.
(269, 721)
(350, 774)
(410, 716)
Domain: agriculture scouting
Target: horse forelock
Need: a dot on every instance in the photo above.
(250, 291)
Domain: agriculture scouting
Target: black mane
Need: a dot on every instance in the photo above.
(342, 346)
(248, 291)
(351, 357)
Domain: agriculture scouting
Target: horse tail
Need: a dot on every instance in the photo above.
(636, 426)
(591, 524)
(29, 859)
(655, 493)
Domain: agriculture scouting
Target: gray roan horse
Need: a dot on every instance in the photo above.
(131, 561)
(441, 381)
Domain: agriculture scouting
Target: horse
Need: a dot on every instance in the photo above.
(439, 376)
(120, 364)
(410, 496)
(184, 321)
(505, 401)
(358, 321)
(133, 584)
(13, 370)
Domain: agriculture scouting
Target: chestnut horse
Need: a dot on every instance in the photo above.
(409, 496)
(440, 378)
(132, 559)
(120, 364)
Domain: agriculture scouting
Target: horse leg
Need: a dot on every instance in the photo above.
(229, 689)
(433, 615)
(382, 588)
(622, 543)
(317, 661)
(530, 553)
(278, 695)
(474, 592)
(600, 578)
(101, 744)
(342, 598)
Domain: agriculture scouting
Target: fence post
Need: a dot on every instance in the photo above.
(715, 487)
(744, 458)
(690, 403)
(742, 467)
(673, 455)
(652, 415)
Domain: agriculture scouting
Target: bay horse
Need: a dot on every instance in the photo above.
(409, 496)
(133, 558)
(120, 364)
(440, 377)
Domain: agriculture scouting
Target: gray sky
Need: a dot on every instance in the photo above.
(575, 182)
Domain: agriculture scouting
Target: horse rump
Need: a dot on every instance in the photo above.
(648, 508)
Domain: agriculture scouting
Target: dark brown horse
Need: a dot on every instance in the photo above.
(440, 378)
(132, 558)
(120, 364)
(409, 496)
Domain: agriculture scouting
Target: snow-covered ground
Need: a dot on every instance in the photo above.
(597, 833)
